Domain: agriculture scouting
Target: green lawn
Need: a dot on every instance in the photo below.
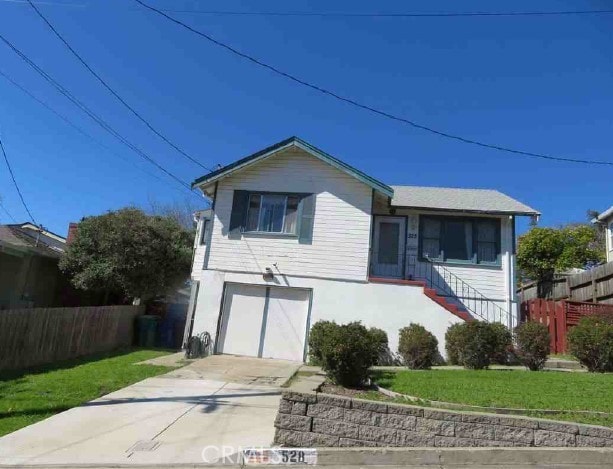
(32, 395)
(561, 391)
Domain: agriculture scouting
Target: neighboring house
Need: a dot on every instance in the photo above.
(296, 236)
(29, 276)
(606, 218)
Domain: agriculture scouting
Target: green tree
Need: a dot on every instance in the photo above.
(583, 247)
(543, 251)
(129, 252)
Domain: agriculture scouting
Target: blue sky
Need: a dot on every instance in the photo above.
(541, 84)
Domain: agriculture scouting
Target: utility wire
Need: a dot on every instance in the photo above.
(113, 92)
(91, 114)
(5, 210)
(388, 15)
(364, 106)
(444, 14)
(57, 4)
(80, 130)
(8, 165)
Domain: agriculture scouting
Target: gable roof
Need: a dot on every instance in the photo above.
(299, 143)
(430, 198)
(461, 200)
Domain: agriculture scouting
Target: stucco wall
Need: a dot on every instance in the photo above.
(389, 307)
(315, 419)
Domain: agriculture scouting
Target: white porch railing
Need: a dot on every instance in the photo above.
(448, 284)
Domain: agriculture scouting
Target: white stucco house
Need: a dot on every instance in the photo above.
(296, 235)
(606, 218)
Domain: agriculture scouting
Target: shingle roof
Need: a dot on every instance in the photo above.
(434, 198)
(25, 240)
(455, 199)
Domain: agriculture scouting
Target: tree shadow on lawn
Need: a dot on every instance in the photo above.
(11, 375)
(27, 412)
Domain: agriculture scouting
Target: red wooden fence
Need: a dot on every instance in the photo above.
(560, 316)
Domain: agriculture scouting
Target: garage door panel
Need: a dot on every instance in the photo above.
(286, 323)
(242, 319)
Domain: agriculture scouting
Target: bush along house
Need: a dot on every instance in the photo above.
(296, 235)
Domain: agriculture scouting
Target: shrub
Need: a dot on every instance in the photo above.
(532, 340)
(591, 341)
(320, 332)
(384, 354)
(503, 344)
(479, 341)
(453, 343)
(347, 352)
(417, 347)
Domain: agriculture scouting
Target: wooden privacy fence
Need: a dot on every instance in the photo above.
(37, 336)
(595, 285)
(560, 316)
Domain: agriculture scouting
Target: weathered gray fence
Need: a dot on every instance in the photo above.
(37, 336)
(594, 285)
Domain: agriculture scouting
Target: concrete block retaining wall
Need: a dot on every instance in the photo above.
(316, 419)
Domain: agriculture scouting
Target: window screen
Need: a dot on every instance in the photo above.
(389, 238)
(460, 239)
(273, 213)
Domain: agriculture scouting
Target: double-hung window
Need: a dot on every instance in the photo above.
(459, 239)
(272, 213)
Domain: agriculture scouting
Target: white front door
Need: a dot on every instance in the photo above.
(262, 321)
(388, 247)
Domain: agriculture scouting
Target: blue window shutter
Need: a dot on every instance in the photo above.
(239, 212)
(307, 218)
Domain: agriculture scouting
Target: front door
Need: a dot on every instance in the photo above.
(389, 247)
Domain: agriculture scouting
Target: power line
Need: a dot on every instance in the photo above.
(5, 210)
(91, 114)
(113, 92)
(389, 15)
(443, 14)
(8, 165)
(364, 106)
(58, 4)
(80, 130)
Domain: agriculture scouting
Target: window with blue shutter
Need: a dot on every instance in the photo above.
(273, 213)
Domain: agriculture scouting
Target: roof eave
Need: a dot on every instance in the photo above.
(606, 214)
(461, 210)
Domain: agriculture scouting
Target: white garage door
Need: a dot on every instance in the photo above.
(266, 322)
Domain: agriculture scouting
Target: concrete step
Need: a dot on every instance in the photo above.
(556, 363)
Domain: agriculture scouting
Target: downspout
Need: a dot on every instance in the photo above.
(372, 233)
(511, 301)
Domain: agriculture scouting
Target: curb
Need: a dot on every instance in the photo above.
(470, 457)
(409, 457)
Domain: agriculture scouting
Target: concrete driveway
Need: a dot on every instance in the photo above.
(219, 401)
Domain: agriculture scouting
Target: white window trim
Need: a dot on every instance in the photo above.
(260, 213)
